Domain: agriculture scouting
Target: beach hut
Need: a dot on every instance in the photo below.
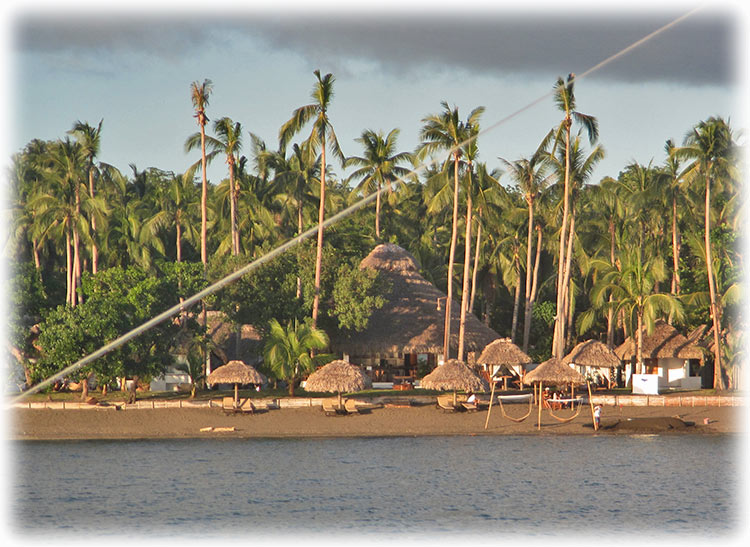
(454, 375)
(406, 334)
(674, 360)
(593, 359)
(338, 376)
(501, 357)
(235, 372)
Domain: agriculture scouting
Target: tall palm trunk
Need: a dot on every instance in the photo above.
(178, 238)
(77, 245)
(639, 344)
(611, 311)
(465, 286)
(567, 312)
(527, 292)
(299, 232)
(377, 214)
(233, 209)
(675, 250)
(94, 248)
(559, 332)
(534, 287)
(321, 218)
(516, 299)
(69, 289)
(204, 194)
(715, 314)
(451, 259)
(475, 267)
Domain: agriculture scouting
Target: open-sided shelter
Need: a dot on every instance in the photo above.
(406, 334)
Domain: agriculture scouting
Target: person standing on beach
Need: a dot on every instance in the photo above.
(597, 416)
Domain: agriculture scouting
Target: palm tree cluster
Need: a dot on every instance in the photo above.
(542, 245)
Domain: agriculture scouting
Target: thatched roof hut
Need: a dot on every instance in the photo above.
(453, 375)
(413, 317)
(591, 353)
(553, 371)
(338, 376)
(663, 343)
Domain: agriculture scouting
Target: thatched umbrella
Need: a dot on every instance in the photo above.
(338, 376)
(453, 375)
(503, 352)
(592, 353)
(552, 371)
(235, 372)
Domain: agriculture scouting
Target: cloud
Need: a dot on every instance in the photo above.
(698, 51)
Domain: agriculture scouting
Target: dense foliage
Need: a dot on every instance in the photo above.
(550, 254)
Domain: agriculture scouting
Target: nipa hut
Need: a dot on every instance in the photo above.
(502, 358)
(406, 334)
(667, 354)
(554, 372)
(593, 360)
(235, 372)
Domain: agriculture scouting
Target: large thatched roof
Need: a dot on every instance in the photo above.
(338, 376)
(591, 353)
(553, 371)
(503, 352)
(663, 343)
(235, 372)
(453, 375)
(413, 317)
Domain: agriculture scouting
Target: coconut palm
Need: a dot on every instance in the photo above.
(446, 132)
(531, 178)
(287, 350)
(90, 141)
(632, 290)
(378, 166)
(565, 100)
(199, 94)
(710, 146)
(178, 204)
(322, 134)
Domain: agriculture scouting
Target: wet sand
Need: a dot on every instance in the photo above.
(108, 423)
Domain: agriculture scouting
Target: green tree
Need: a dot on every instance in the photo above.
(287, 350)
(199, 94)
(378, 166)
(322, 134)
(446, 132)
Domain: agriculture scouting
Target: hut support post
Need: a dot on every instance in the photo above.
(236, 397)
(489, 410)
(591, 404)
(539, 415)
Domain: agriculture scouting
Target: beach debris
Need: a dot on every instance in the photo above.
(217, 429)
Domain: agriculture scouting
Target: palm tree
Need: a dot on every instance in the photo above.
(287, 350)
(446, 132)
(322, 133)
(710, 146)
(672, 181)
(90, 139)
(199, 94)
(378, 166)
(229, 142)
(565, 101)
(530, 176)
(178, 202)
(632, 290)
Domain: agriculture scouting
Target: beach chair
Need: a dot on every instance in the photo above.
(351, 407)
(445, 403)
(244, 406)
(331, 407)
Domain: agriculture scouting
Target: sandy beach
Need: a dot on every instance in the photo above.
(425, 419)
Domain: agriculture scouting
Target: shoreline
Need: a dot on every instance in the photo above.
(107, 423)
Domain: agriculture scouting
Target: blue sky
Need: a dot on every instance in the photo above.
(132, 67)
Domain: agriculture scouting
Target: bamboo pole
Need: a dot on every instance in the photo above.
(591, 404)
(539, 416)
(489, 410)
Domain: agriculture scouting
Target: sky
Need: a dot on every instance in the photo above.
(132, 65)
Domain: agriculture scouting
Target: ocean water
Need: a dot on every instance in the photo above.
(676, 486)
